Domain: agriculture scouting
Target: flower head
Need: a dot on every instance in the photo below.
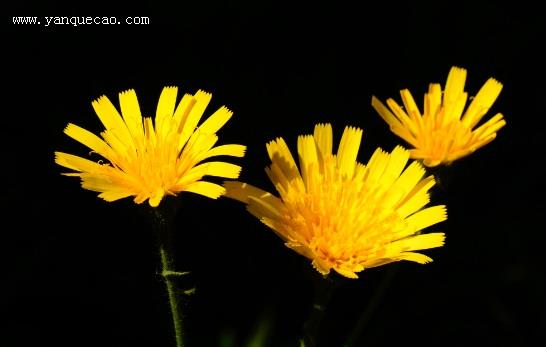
(341, 214)
(148, 159)
(443, 133)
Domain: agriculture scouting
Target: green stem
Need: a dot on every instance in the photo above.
(367, 314)
(324, 288)
(162, 225)
(166, 262)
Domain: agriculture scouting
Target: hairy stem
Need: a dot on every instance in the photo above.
(162, 225)
(324, 288)
(374, 302)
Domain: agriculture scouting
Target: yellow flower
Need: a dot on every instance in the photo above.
(443, 133)
(148, 159)
(341, 214)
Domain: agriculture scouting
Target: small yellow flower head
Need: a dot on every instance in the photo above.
(148, 159)
(341, 214)
(443, 133)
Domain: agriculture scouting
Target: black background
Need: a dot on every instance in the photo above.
(83, 272)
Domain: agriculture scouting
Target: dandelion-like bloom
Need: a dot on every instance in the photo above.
(443, 133)
(148, 159)
(341, 214)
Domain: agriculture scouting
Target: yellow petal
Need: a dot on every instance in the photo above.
(228, 150)
(216, 121)
(384, 112)
(491, 126)
(243, 192)
(433, 101)
(415, 257)
(156, 197)
(166, 103)
(76, 163)
(114, 195)
(410, 105)
(423, 241)
(416, 198)
(396, 162)
(181, 115)
(427, 217)
(261, 208)
(280, 155)
(404, 119)
(279, 180)
(89, 139)
(348, 150)
(345, 272)
(377, 164)
(208, 189)
(100, 182)
(482, 102)
(130, 111)
(150, 133)
(112, 120)
(410, 177)
(324, 139)
(321, 266)
(307, 153)
(202, 100)
(219, 169)
(454, 84)
(165, 110)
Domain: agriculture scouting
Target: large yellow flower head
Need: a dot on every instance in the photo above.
(148, 159)
(341, 214)
(443, 133)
